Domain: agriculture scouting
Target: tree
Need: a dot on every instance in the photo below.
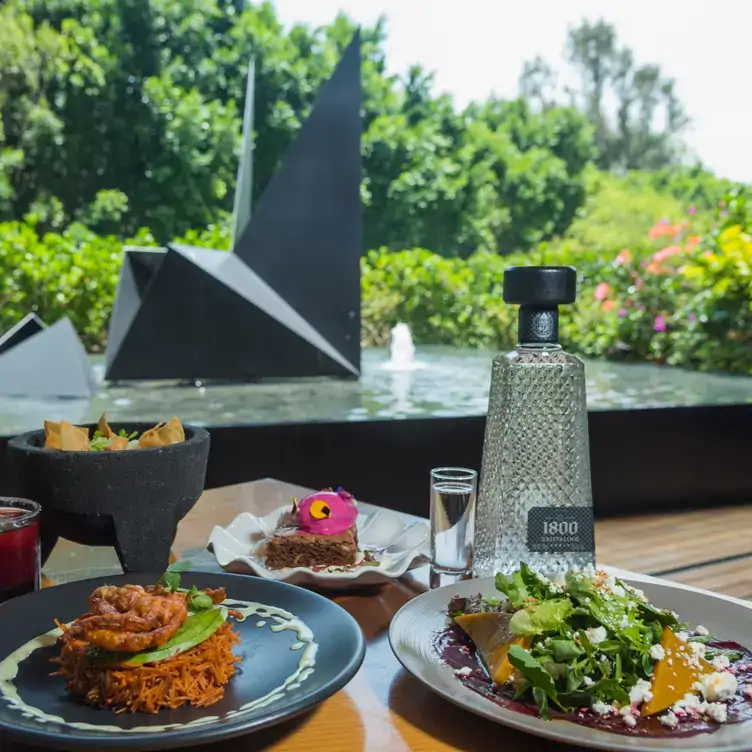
(125, 114)
(643, 130)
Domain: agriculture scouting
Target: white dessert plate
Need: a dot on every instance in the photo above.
(396, 546)
(415, 626)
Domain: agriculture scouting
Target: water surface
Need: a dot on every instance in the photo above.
(452, 382)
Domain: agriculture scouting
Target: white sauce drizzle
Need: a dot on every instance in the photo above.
(282, 619)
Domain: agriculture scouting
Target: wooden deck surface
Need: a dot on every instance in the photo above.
(710, 548)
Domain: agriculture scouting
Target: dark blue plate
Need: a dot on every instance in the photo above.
(267, 661)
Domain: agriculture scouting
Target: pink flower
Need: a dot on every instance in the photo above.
(663, 228)
(608, 305)
(666, 253)
(659, 324)
(691, 210)
(638, 283)
(622, 313)
(691, 318)
(623, 257)
(602, 290)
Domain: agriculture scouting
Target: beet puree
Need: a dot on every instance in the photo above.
(458, 651)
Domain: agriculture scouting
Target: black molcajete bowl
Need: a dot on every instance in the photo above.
(132, 500)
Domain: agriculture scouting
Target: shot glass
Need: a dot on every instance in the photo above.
(20, 551)
(453, 492)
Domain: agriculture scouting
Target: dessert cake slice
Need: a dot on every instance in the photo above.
(318, 532)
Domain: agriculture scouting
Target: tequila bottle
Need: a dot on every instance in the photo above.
(535, 500)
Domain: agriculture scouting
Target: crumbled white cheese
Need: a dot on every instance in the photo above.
(623, 622)
(559, 579)
(669, 720)
(718, 712)
(720, 663)
(690, 703)
(717, 686)
(596, 635)
(630, 720)
(588, 682)
(684, 636)
(464, 671)
(701, 630)
(657, 652)
(637, 593)
(602, 708)
(589, 571)
(640, 693)
(698, 648)
(618, 590)
(547, 583)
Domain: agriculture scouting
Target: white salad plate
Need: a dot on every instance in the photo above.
(395, 546)
(414, 627)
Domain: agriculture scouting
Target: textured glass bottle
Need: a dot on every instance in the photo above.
(535, 500)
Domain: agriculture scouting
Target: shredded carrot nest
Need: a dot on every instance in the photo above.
(197, 676)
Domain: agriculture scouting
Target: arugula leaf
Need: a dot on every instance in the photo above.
(610, 690)
(513, 587)
(532, 670)
(170, 580)
(198, 600)
(547, 616)
(541, 700)
(564, 650)
(665, 618)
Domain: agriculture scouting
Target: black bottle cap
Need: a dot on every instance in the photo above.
(539, 291)
(543, 286)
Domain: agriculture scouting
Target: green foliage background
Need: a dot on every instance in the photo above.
(120, 115)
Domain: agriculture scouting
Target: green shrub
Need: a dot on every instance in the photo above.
(675, 298)
(72, 274)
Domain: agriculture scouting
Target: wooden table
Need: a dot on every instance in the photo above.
(383, 708)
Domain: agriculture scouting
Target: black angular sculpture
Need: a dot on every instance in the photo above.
(286, 301)
(44, 361)
(28, 326)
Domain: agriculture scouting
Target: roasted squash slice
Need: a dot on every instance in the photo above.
(491, 636)
(675, 674)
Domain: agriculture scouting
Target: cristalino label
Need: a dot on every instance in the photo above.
(560, 530)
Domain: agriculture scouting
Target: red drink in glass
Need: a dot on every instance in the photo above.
(20, 555)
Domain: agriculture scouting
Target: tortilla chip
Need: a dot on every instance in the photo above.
(73, 438)
(163, 434)
(116, 443)
(104, 427)
(52, 435)
(148, 437)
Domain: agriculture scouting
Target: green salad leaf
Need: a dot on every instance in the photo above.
(170, 580)
(588, 637)
(547, 616)
(99, 441)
